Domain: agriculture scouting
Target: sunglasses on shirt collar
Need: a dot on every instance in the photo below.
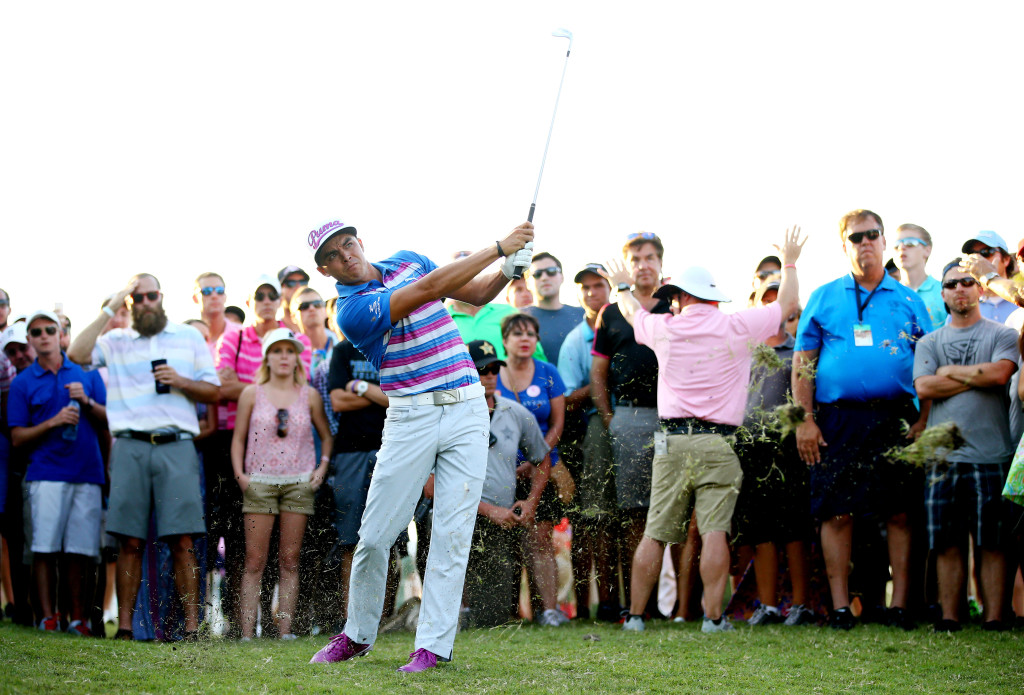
(858, 237)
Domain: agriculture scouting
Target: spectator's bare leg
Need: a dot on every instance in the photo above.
(898, 533)
(993, 581)
(766, 571)
(949, 566)
(129, 575)
(644, 574)
(686, 572)
(634, 521)
(186, 578)
(79, 568)
(582, 554)
(44, 572)
(257, 544)
(836, 546)
(293, 526)
(799, 572)
(346, 575)
(714, 571)
(542, 561)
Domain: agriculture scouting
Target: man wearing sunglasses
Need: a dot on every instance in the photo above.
(493, 572)
(238, 358)
(910, 254)
(291, 279)
(437, 421)
(990, 262)
(556, 319)
(963, 368)
(156, 372)
(852, 370)
(55, 413)
(210, 295)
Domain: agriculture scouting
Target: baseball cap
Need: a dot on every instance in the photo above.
(694, 281)
(43, 314)
(288, 270)
(768, 259)
(15, 333)
(988, 238)
(282, 334)
(595, 268)
(265, 279)
(319, 236)
(955, 263)
(483, 353)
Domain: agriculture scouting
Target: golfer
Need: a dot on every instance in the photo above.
(437, 422)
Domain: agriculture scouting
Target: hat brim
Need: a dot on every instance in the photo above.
(667, 291)
(487, 362)
(344, 230)
(299, 347)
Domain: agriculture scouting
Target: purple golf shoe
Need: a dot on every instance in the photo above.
(340, 648)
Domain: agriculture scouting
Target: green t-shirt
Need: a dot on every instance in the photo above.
(486, 325)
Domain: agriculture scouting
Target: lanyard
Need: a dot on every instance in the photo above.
(862, 307)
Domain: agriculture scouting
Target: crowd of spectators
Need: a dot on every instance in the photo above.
(788, 462)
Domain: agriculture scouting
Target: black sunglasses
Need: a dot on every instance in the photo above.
(294, 283)
(764, 274)
(858, 237)
(987, 252)
(316, 302)
(489, 370)
(36, 332)
(550, 272)
(282, 422)
(966, 282)
(207, 291)
(4, 302)
(259, 295)
(138, 297)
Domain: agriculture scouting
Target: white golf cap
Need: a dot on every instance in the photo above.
(265, 279)
(15, 333)
(43, 314)
(319, 236)
(279, 334)
(695, 281)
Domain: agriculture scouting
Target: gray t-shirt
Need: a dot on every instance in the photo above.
(769, 385)
(513, 428)
(981, 414)
(555, 324)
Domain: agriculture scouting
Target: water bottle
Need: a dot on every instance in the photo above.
(71, 431)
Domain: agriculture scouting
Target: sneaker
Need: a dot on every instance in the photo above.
(79, 628)
(842, 619)
(288, 636)
(634, 623)
(562, 617)
(946, 625)
(765, 615)
(340, 648)
(421, 660)
(50, 623)
(552, 617)
(800, 615)
(609, 612)
(994, 626)
(720, 625)
(679, 619)
(900, 617)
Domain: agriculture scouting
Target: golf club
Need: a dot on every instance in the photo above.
(564, 34)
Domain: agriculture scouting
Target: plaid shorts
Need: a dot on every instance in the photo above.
(965, 498)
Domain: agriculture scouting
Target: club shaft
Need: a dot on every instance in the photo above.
(551, 129)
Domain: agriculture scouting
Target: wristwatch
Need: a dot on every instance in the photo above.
(623, 287)
(989, 277)
(361, 388)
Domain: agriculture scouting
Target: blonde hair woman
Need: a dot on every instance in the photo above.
(274, 440)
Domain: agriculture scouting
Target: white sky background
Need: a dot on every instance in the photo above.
(187, 137)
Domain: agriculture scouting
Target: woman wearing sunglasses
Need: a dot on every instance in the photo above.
(539, 388)
(274, 440)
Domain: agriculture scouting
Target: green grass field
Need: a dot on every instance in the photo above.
(578, 658)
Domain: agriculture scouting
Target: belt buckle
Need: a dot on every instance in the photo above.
(152, 438)
(446, 397)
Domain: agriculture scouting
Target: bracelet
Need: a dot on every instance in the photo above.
(325, 459)
(790, 265)
(108, 311)
(501, 251)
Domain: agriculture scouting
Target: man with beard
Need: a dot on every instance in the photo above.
(156, 371)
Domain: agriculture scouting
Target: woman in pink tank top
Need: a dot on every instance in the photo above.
(274, 460)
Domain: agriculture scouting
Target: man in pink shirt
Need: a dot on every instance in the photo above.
(703, 375)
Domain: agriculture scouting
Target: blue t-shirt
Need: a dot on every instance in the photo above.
(846, 371)
(536, 397)
(37, 395)
(420, 353)
(930, 293)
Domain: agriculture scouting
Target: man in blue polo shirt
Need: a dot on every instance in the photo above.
(852, 373)
(54, 409)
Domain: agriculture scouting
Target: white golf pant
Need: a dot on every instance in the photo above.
(451, 442)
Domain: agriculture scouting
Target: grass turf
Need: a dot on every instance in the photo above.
(577, 658)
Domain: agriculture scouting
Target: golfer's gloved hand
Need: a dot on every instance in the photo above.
(521, 259)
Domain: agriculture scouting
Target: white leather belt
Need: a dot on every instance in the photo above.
(447, 397)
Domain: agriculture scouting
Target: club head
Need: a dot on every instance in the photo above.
(564, 34)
